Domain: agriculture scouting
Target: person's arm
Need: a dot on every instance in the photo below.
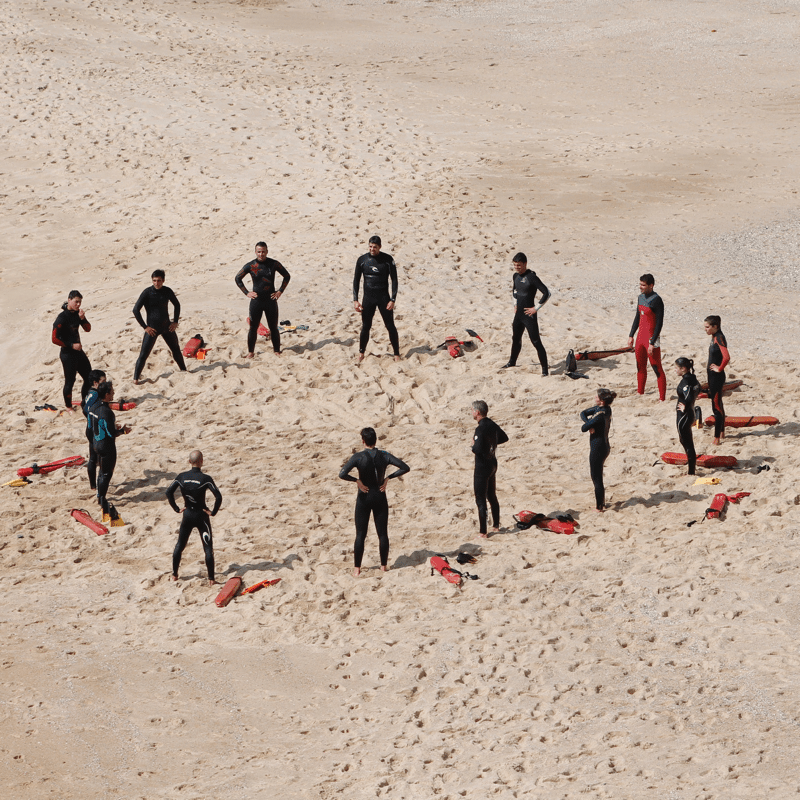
(635, 326)
(501, 434)
(723, 347)
(85, 324)
(137, 309)
(56, 336)
(344, 472)
(545, 293)
(217, 497)
(285, 274)
(245, 270)
(402, 467)
(658, 310)
(478, 443)
(393, 276)
(176, 307)
(590, 422)
(171, 495)
(357, 280)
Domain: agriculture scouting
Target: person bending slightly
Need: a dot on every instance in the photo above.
(597, 419)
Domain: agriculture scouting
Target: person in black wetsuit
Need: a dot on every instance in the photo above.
(598, 420)
(525, 285)
(193, 485)
(718, 359)
(688, 389)
(155, 300)
(372, 479)
(67, 335)
(105, 432)
(487, 436)
(377, 268)
(97, 377)
(263, 297)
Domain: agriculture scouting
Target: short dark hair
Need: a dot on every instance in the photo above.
(714, 320)
(606, 396)
(687, 363)
(104, 388)
(97, 375)
(481, 407)
(74, 293)
(375, 240)
(158, 273)
(520, 258)
(369, 437)
(261, 244)
(648, 279)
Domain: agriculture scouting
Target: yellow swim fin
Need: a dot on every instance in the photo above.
(709, 481)
(18, 482)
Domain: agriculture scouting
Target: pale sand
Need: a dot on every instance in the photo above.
(639, 657)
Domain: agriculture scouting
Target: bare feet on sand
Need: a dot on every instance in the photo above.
(356, 571)
(173, 577)
(397, 358)
(250, 355)
(212, 583)
(360, 357)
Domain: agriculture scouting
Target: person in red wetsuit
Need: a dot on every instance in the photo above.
(718, 358)
(648, 322)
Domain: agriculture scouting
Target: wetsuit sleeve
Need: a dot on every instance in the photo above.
(544, 290)
(286, 276)
(245, 270)
(402, 467)
(345, 471)
(658, 309)
(393, 276)
(357, 280)
(635, 326)
(86, 325)
(217, 497)
(502, 438)
(589, 421)
(723, 348)
(171, 494)
(56, 337)
(176, 306)
(137, 309)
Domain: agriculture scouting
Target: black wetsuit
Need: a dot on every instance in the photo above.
(156, 304)
(718, 355)
(105, 433)
(487, 436)
(525, 287)
(597, 420)
(263, 275)
(67, 332)
(372, 465)
(193, 485)
(377, 271)
(91, 464)
(688, 389)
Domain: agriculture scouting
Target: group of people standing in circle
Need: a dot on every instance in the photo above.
(379, 274)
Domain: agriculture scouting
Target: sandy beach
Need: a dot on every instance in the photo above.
(639, 657)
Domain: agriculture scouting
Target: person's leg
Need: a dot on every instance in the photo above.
(716, 380)
(367, 313)
(91, 464)
(597, 458)
(255, 320)
(380, 514)
(106, 465)
(388, 320)
(687, 440)
(517, 329)
(480, 485)
(183, 537)
(362, 522)
(70, 371)
(203, 524)
(661, 378)
(171, 339)
(491, 493)
(271, 313)
(532, 324)
(84, 368)
(640, 351)
(148, 342)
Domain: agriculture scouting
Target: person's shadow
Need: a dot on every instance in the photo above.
(419, 557)
(311, 346)
(240, 570)
(153, 486)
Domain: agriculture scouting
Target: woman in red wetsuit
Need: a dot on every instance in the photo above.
(718, 359)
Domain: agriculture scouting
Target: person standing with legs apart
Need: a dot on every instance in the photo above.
(487, 436)
(646, 327)
(105, 431)
(598, 420)
(155, 301)
(193, 485)
(525, 285)
(372, 464)
(688, 389)
(67, 335)
(263, 297)
(377, 268)
(718, 359)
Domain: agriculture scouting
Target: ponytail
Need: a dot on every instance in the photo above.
(686, 362)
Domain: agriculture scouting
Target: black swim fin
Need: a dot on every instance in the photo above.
(473, 334)
(571, 364)
(466, 558)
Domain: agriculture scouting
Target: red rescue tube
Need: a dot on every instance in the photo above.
(745, 422)
(228, 592)
(445, 570)
(596, 355)
(717, 506)
(727, 387)
(43, 469)
(703, 461)
(263, 330)
(85, 518)
(256, 586)
(122, 405)
(193, 345)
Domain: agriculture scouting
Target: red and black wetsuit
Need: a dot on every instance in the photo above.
(524, 288)
(377, 271)
(66, 333)
(648, 322)
(156, 303)
(688, 389)
(487, 436)
(372, 465)
(193, 485)
(718, 355)
(263, 275)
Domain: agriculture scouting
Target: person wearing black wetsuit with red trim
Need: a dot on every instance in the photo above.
(485, 439)
(377, 269)
(67, 335)
(193, 485)
(155, 301)
(525, 284)
(598, 420)
(98, 376)
(718, 359)
(263, 296)
(688, 389)
(105, 432)
(372, 464)
(646, 328)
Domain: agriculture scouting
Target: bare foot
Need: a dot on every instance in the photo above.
(397, 358)
(483, 535)
(136, 381)
(384, 568)
(250, 355)
(277, 352)
(356, 571)
(212, 583)
(715, 440)
(600, 510)
(360, 357)
(173, 577)
(496, 529)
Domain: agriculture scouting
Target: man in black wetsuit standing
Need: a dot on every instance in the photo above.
(155, 300)
(193, 485)
(263, 297)
(67, 335)
(487, 436)
(525, 284)
(377, 268)
(372, 479)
